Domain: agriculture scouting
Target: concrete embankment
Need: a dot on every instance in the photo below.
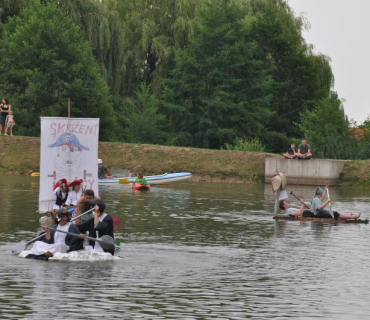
(22, 155)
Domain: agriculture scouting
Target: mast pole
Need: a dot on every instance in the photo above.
(69, 107)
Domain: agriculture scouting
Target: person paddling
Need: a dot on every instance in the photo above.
(317, 204)
(54, 241)
(100, 225)
(140, 179)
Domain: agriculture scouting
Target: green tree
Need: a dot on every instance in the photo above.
(219, 88)
(326, 129)
(301, 78)
(46, 59)
(144, 124)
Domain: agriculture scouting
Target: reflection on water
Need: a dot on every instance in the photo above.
(195, 250)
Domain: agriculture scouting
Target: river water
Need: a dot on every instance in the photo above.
(193, 251)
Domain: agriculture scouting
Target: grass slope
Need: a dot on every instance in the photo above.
(22, 154)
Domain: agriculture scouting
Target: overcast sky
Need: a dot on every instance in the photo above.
(341, 29)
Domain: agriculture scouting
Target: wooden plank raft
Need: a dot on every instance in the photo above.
(330, 220)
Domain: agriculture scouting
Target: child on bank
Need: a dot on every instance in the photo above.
(9, 123)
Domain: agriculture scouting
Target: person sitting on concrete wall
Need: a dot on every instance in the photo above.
(291, 153)
(304, 150)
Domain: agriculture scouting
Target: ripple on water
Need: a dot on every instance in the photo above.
(194, 251)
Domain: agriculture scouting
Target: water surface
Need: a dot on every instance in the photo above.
(194, 251)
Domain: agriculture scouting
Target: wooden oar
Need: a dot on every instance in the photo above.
(18, 248)
(299, 199)
(330, 210)
(106, 242)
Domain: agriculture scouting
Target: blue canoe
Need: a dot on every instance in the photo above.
(158, 179)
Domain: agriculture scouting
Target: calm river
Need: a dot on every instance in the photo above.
(194, 251)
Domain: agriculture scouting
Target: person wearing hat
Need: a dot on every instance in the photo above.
(317, 204)
(54, 241)
(75, 193)
(61, 192)
(103, 171)
(100, 225)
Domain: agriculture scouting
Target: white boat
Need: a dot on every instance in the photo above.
(157, 179)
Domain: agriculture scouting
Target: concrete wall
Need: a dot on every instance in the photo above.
(309, 172)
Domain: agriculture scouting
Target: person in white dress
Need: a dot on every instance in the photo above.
(55, 241)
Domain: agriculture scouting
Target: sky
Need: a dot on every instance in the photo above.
(340, 29)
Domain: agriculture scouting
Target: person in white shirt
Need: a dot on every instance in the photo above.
(55, 241)
(75, 193)
(284, 205)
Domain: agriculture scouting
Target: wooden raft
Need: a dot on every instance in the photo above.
(330, 220)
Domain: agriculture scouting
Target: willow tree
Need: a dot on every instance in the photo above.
(46, 60)
(153, 30)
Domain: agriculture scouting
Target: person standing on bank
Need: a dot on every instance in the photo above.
(9, 123)
(304, 150)
(100, 225)
(5, 108)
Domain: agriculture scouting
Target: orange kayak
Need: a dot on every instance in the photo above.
(140, 187)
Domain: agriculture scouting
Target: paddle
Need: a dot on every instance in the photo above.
(35, 174)
(18, 248)
(299, 199)
(330, 210)
(106, 242)
(124, 181)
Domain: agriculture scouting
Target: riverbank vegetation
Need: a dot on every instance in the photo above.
(191, 73)
(22, 155)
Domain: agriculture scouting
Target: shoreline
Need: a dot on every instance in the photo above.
(21, 155)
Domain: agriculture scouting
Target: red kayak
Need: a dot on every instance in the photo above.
(140, 187)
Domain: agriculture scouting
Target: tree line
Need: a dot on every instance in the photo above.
(195, 73)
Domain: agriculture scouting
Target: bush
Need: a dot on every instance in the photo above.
(244, 144)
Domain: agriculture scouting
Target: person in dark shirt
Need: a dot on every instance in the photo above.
(291, 153)
(103, 171)
(304, 150)
(100, 225)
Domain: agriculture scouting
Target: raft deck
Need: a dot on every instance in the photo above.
(330, 220)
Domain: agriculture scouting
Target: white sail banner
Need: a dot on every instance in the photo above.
(69, 150)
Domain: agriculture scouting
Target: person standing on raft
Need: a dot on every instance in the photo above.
(75, 193)
(61, 192)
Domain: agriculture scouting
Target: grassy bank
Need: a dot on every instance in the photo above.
(356, 173)
(22, 155)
